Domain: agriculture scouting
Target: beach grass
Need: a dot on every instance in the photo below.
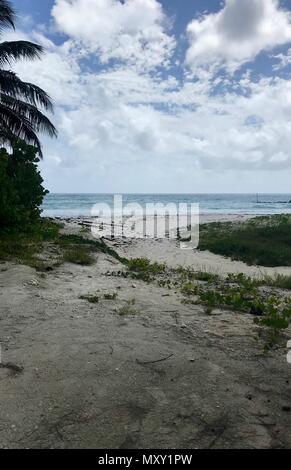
(280, 281)
(264, 241)
(22, 246)
(25, 246)
(79, 255)
(70, 242)
(128, 309)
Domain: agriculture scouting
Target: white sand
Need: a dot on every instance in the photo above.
(169, 251)
(167, 376)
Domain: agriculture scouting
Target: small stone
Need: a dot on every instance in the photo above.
(286, 408)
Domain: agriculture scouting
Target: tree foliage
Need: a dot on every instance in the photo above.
(21, 189)
(21, 103)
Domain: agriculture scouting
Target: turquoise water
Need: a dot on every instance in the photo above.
(74, 205)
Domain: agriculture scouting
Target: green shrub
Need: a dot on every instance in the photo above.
(276, 319)
(143, 269)
(112, 296)
(92, 299)
(24, 246)
(128, 308)
(79, 255)
(70, 241)
(21, 190)
(189, 289)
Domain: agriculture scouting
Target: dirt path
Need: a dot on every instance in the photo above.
(84, 382)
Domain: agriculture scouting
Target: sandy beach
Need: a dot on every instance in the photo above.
(77, 374)
(145, 228)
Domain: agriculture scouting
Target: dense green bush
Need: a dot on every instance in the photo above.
(21, 190)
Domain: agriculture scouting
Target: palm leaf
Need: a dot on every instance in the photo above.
(7, 14)
(39, 121)
(20, 116)
(14, 128)
(15, 50)
(11, 85)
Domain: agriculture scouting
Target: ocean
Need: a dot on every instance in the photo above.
(75, 205)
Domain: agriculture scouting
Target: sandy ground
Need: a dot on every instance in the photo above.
(169, 251)
(89, 377)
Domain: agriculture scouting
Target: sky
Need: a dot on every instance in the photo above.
(169, 96)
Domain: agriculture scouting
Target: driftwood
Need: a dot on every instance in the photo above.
(154, 362)
(11, 366)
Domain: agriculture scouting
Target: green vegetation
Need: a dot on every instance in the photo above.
(22, 119)
(128, 308)
(187, 273)
(277, 317)
(70, 242)
(143, 269)
(236, 292)
(21, 190)
(23, 247)
(85, 230)
(280, 281)
(239, 293)
(265, 241)
(111, 296)
(189, 289)
(93, 299)
(21, 103)
(79, 255)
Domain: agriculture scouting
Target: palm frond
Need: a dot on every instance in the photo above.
(38, 121)
(11, 85)
(14, 128)
(15, 50)
(7, 15)
(20, 115)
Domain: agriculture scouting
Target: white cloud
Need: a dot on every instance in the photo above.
(120, 121)
(132, 31)
(283, 59)
(124, 129)
(237, 34)
(58, 72)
